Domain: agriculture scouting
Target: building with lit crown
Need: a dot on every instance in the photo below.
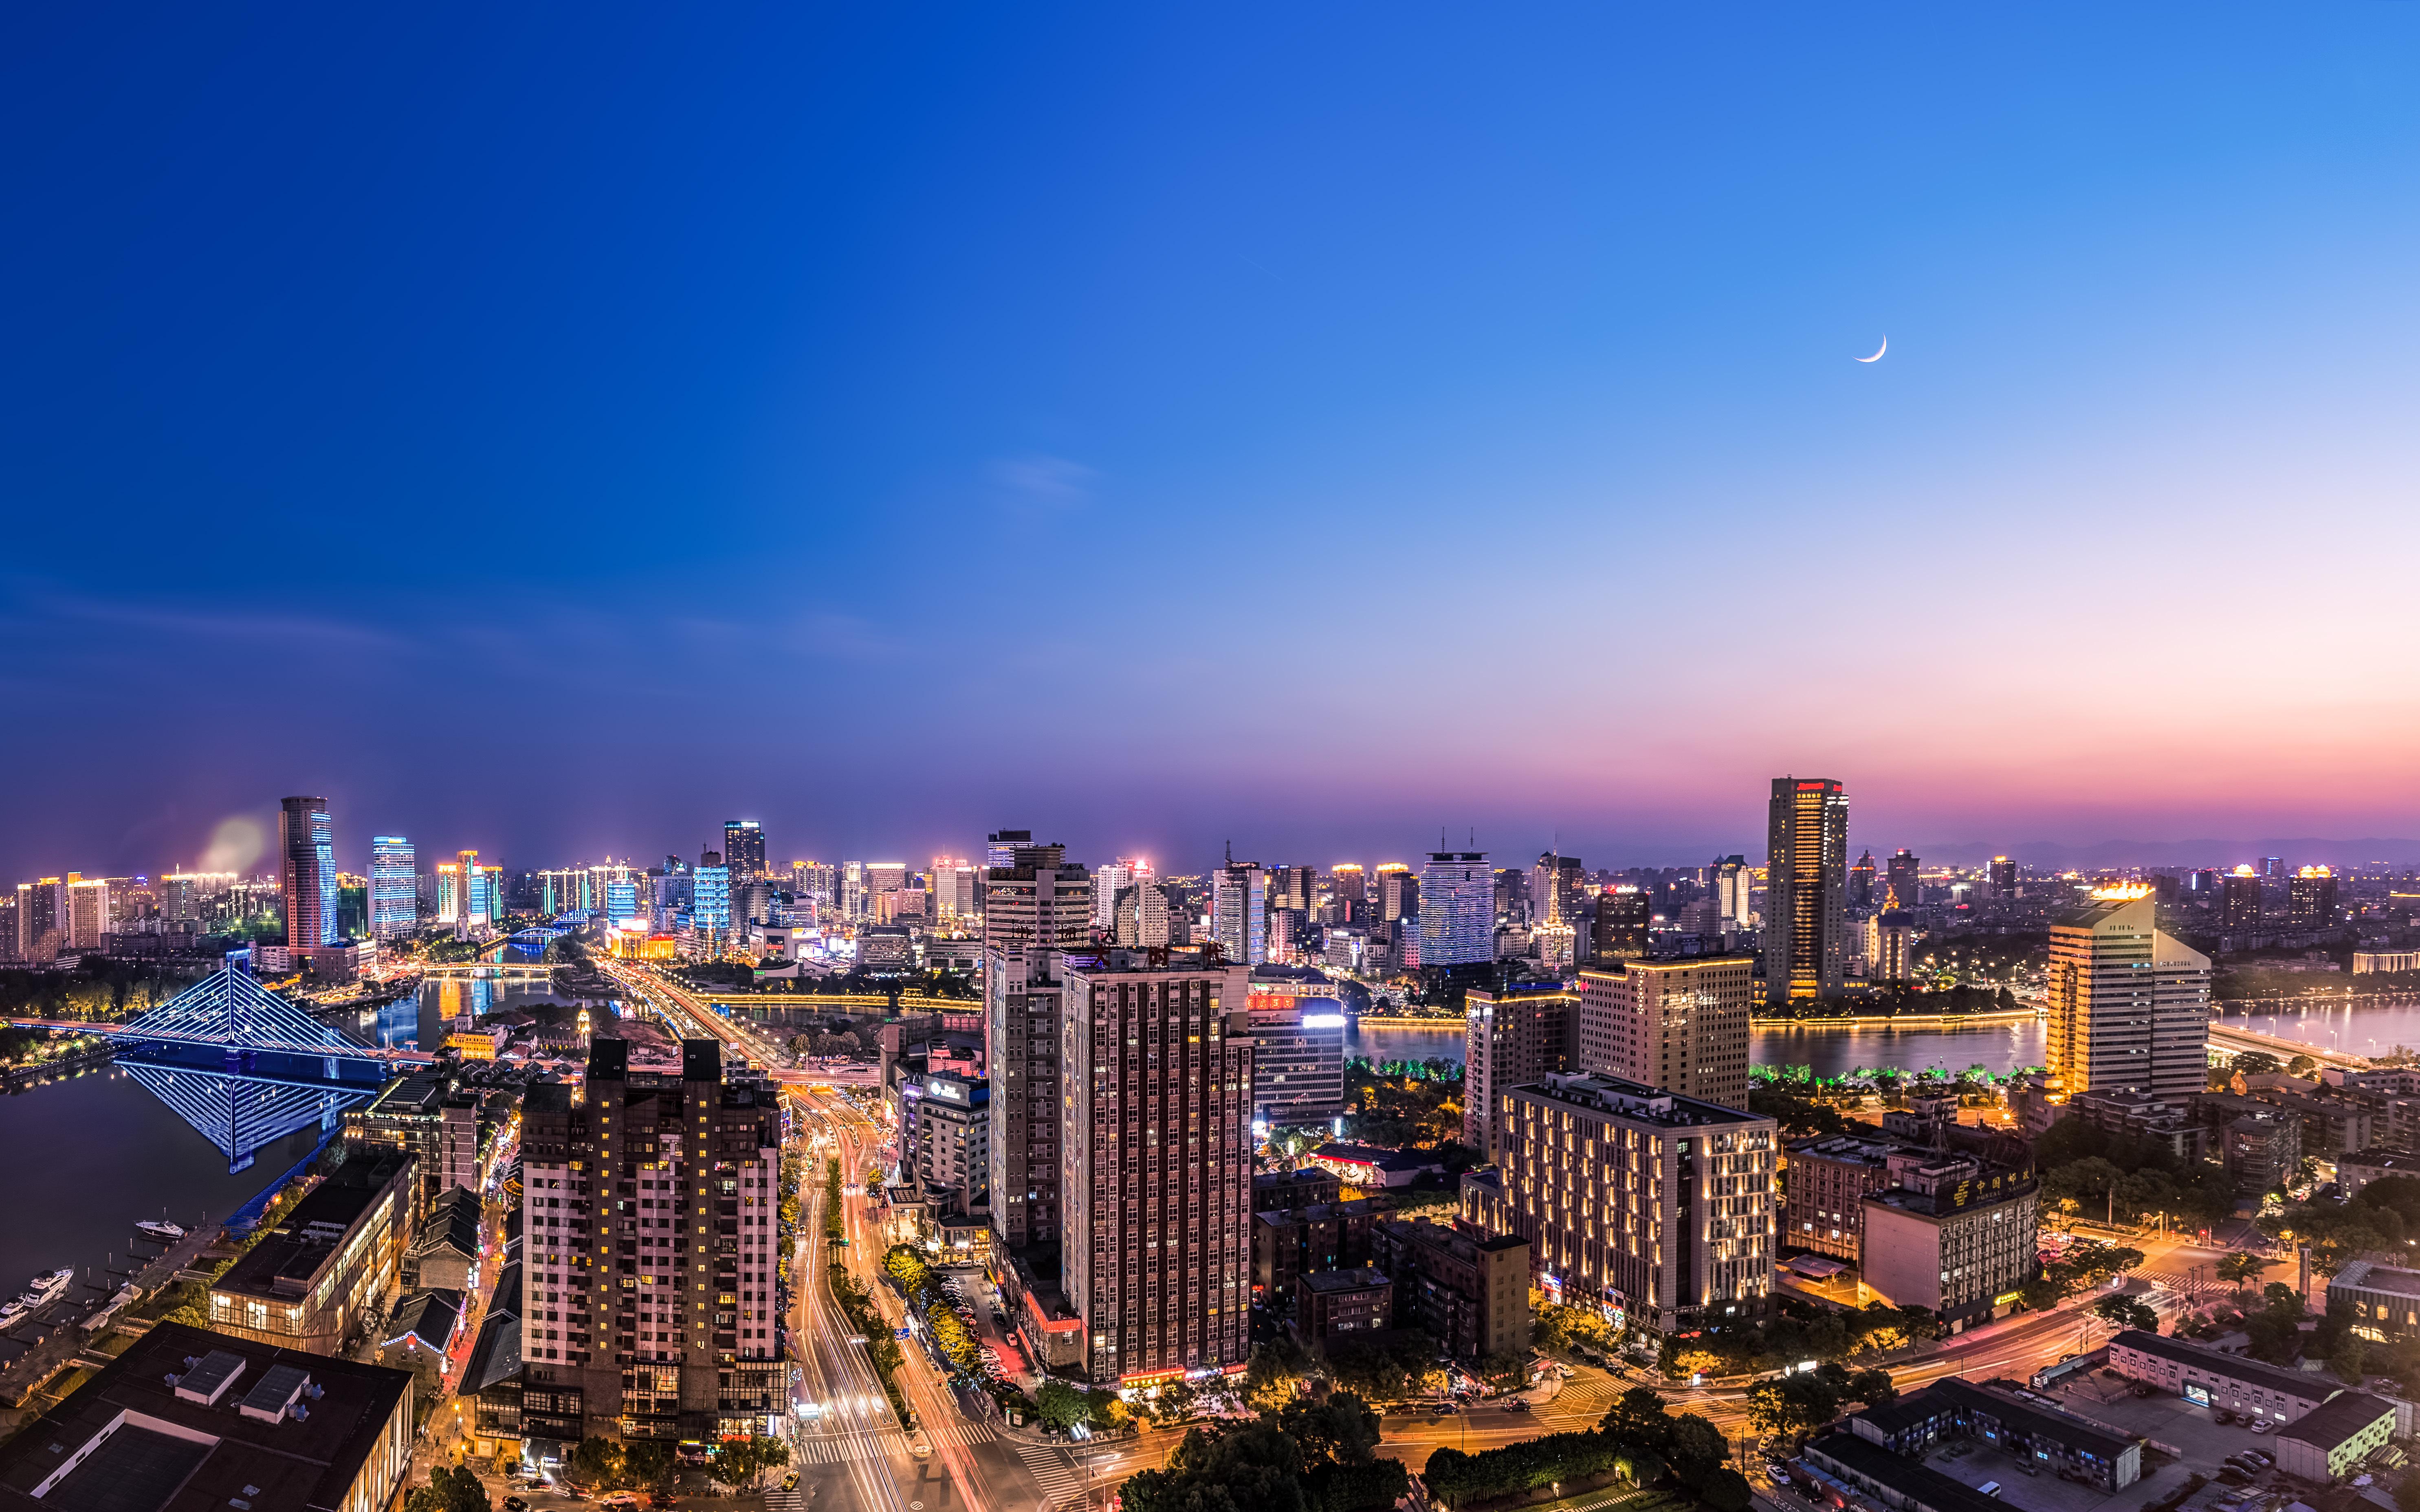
(395, 887)
(2129, 1005)
(1806, 889)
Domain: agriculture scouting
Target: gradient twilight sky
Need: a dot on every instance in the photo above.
(557, 429)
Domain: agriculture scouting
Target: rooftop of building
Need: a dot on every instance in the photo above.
(1633, 1100)
(2336, 1419)
(234, 1439)
(2036, 1421)
(2362, 1275)
(1450, 1239)
(1329, 1282)
(431, 1317)
(2383, 1160)
(1872, 1150)
(1919, 1483)
(1385, 1159)
(452, 1221)
(284, 1261)
(2220, 1362)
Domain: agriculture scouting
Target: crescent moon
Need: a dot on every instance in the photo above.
(1878, 353)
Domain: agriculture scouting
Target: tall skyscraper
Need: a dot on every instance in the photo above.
(2129, 1005)
(1348, 888)
(395, 887)
(1511, 1038)
(710, 898)
(1457, 909)
(1239, 911)
(2241, 908)
(306, 872)
(1399, 892)
(636, 1321)
(2004, 877)
(1734, 889)
(1625, 914)
(1554, 885)
(41, 919)
(1107, 882)
(2311, 899)
(1806, 882)
(1902, 881)
(88, 913)
(743, 848)
(1157, 1129)
(1679, 1025)
(621, 900)
(1861, 881)
(1036, 904)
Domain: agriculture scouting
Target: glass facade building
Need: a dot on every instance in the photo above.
(306, 864)
(710, 901)
(395, 887)
(1457, 909)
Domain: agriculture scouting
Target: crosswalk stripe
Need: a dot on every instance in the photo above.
(1058, 1478)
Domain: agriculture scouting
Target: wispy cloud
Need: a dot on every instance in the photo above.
(215, 625)
(1040, 481)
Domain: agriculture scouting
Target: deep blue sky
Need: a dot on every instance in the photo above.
(555, 431)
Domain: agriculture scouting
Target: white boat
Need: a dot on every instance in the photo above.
(161, 1229)
(48, 1288)
(13, 1312)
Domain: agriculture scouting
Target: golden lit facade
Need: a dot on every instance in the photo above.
(1807, 838)
(2129, 1006)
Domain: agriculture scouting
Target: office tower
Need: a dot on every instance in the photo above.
(1733, 884)
(751, 903)
(952, 1156)
(1038, 901)
(882, 878)
(1657, 1204)
(1108, 882)
(855, 902)
(41, 918)
(1239, 911)
(2129, 1005)
(1002, 846)
(2004, 877)
(1293, 886)
(2241, 908)
(2273, 867)
(565, 891)
(306, 872)
(1348, 891)
(87, 915)
(1457, 909)
(1902, 881)
(395, 888)
(1890, 949)
(636, 1319)
(1297, 1048)
(2312, 898)
(1680, 1025)
(815, 881)
(1861, 881)
(1140, 920)
(1624, 915)
(1399, 892)
(449, 894)
(1555, 885)
(743, 848)
(2203, 883)
(1509, 1039)
(954, 889)
(621, 900)
(710, 899)
(1158, 1133)
(1807, 838)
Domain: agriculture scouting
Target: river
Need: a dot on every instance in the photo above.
(2365, 1031)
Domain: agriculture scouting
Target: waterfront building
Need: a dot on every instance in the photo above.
(1806, 887)
(637, 1322)
(1509, 1038)
(1634, 1198)
(1157, 1129)
(195, 1419)
(2311, 899)
(421, 1115)
(1951, 1236)
(1680, 1025)
(312, 1281)
(1298, 1046)
(1457, 909)
(621, 900)
(1239, 912)
(1890, 947)
(2129, 1005)
(306, 872)
(395, 888)
(566, 890)
(743, 848)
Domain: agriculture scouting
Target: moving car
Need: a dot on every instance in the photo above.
(514, 1504)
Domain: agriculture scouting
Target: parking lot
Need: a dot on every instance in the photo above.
(2203, 1441)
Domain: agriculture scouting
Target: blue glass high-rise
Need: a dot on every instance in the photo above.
(395, 887)
(711, 897)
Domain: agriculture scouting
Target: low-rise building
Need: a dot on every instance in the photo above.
(2325, 1443)
(1470, 1291)
(2357, 1170)
(188, 1420)
(2385, 1299)
(422, 1116)
(1863, 1466)
(2034, 1433)
(2145, 1115)
(1362, 1165)
(1825, 1185)
(1952, 1236)
(445, 1252)
(312, 1282)
(2213, 1378)
(1332, 1305)
(1331, 1236)
(1284, 1190)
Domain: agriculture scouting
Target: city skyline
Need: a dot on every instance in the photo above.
(1578, 348)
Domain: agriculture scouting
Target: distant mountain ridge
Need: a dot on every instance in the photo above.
(2051, 855)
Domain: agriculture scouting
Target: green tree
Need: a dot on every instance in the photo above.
(2241, 1267)
(1339, 1430)
(646, 1462)
(2125, 1312)
(741, 1463)
(1060, 1406)
(1726, 1490)
(595, 1462)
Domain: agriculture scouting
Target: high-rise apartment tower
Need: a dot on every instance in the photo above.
(1806, 880)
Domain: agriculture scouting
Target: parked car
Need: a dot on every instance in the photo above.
(2261, 1427)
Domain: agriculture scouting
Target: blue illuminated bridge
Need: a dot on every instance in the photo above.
(242, 1065)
